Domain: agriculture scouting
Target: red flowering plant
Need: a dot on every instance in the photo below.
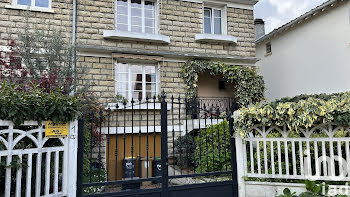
(13, 70)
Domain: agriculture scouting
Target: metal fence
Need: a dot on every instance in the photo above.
(156, 148)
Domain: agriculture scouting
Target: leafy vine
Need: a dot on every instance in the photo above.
(249, 86)
(299, 112)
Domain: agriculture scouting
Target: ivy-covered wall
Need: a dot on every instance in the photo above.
(249, 86)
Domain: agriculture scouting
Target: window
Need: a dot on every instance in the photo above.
(136, 81)
(135, 16)
(34, 3)
(212, 20)
(268, 48)
(223, 85)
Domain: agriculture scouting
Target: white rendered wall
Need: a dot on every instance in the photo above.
(313, 57)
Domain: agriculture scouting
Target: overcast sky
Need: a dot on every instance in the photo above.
(278, 12)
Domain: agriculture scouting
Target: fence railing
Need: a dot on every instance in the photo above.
(318, 153)
(32, 165)
(203, 104)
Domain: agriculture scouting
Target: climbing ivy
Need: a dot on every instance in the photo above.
(302, 111)
(249, 86)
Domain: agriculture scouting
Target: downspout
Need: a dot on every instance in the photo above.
(73, 45)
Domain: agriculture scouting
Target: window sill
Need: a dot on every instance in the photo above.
(126, 35)
(216, 38)
(34, 9)
(142, 106)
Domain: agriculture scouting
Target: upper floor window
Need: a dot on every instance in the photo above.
(212, 20)
(34, 3)
(136, 81)
(268, 48)
(135, 16)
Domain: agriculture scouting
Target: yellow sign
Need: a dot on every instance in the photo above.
(56, 130)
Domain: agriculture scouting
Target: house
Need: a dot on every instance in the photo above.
(133, 49)
(308, 55)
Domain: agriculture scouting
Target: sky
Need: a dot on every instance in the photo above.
(276, 13)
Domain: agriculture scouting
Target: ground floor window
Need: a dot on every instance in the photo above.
(136, 81)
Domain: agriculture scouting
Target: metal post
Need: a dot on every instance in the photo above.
(80, 157)
(234, 107)
(233, 159)
(164, 148)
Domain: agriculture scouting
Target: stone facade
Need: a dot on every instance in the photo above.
(13, 20)
(179, 20)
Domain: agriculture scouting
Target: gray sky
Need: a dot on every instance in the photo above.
(278, 12)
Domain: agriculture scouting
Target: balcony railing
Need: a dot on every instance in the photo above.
(206, 106)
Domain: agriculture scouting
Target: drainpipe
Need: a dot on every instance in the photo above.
(73, 45)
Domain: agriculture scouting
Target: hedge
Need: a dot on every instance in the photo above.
(34, 104)
(301, 111)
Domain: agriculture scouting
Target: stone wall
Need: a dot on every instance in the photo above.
(179, 20)
(99, 73)
(13, 20)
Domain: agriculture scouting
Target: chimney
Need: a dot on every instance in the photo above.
(259, 28)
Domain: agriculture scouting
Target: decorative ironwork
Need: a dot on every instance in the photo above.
(215, 105)
(139, 133)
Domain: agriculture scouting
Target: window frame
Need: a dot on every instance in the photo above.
(223, 21)
(156, 17)
(32, 4)
(129, 81)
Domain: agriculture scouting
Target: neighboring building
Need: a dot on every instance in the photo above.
(310, 54)
(135, 49)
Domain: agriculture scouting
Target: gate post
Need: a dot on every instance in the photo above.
(233, 159)
(80, 162)
(72, 146)
(240, 153)
(164, 146)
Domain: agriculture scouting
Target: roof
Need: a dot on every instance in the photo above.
(247, 2)
(300, 19)
(251, 2)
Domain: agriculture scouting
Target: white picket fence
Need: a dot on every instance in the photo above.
(42, 169)
(275, 152)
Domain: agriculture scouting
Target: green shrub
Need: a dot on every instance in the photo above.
(287, 193)
(297, 98)
(312, 190)
(213, 148)
(184, 149)
(18, 106)
(303, 111)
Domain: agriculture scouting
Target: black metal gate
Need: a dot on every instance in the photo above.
(161, 147)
